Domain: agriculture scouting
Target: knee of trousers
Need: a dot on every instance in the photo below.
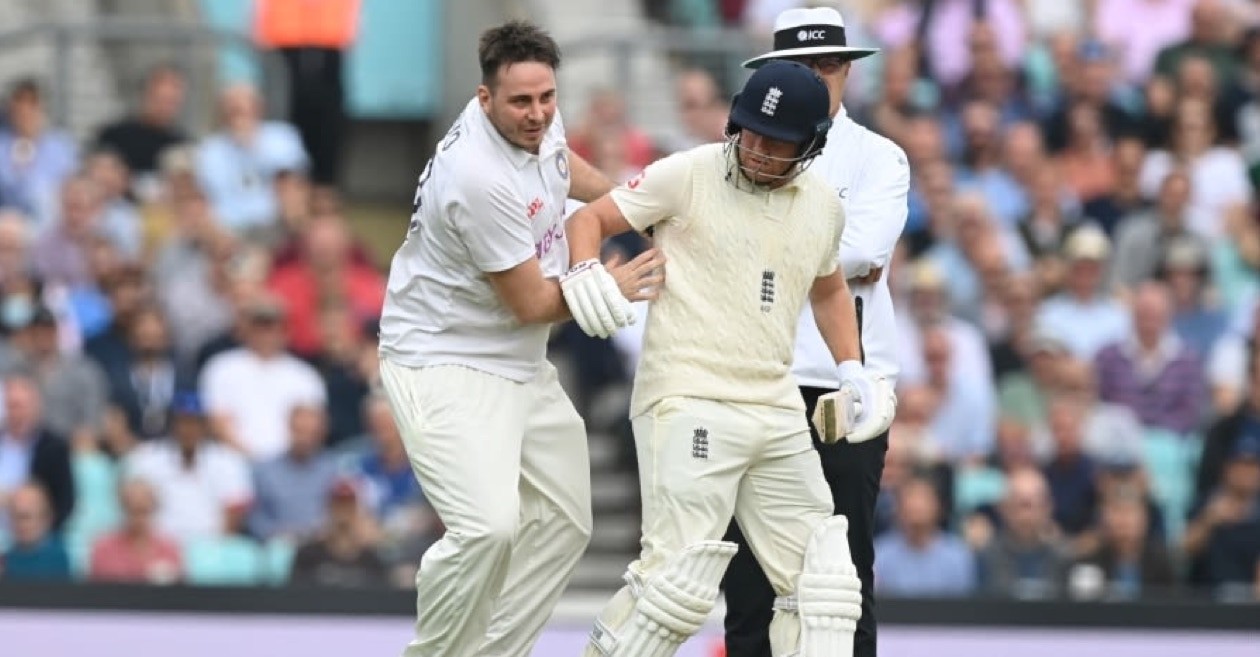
(668, 607)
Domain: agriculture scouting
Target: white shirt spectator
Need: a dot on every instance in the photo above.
(1085, 327)
(239, 178)
(258, 395)
(193, 501)
(1218, 180)
(969, 348)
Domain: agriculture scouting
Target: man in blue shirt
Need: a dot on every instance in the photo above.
(917, 558)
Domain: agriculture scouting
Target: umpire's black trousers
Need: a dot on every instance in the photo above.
(853, 472)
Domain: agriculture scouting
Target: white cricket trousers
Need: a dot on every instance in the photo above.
(505, 466)
(703, 461)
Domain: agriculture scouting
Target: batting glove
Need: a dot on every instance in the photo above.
(594, 299)
(860, 410)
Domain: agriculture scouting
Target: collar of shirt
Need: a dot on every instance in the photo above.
(1154, 361)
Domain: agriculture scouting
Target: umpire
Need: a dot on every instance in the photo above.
(872, 177)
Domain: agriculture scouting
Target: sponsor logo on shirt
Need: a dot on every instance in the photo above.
(534, 206)
(549, 240)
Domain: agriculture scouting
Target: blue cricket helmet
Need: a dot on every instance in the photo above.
(784, 100)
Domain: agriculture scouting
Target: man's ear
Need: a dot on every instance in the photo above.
(483, 97)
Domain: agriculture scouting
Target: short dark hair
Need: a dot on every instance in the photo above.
(512, 43)
(26, 89)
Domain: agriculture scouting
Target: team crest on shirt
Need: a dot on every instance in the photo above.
(562, 165)
(767, 291)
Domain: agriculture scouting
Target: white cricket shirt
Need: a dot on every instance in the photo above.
(738, 269)
(481, 205)
(871, 176)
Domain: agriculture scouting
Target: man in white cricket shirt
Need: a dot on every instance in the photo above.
(492, 437)
(749, 237)
(872, 178)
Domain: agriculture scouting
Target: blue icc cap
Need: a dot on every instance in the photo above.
(783, 100)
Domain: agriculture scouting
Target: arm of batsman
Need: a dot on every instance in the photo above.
(860, 410)
(595, 300)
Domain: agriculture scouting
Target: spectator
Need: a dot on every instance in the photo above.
(238, 164)
(963, 422)
(1111, 430)
(1163, 22)
(1011, 330)
(917, 559)
(342, 556)
(385, 470)
(140, 138)
(1025, 558)
(981, 144)
(37, 552)
(15, 242)
(1229, 364)
(62, 254)
(1127, 561)
(340, 365)
(143, 384)
(35, 159)
(136, 552)
(325, 275)
(1141, 239)
(1224, 434)
(73, 388)
(1070, 473)
(127, 289)
(197, 274)
(1083, 315)
(927, 307)
(251, 390)
(1218, 175)
(1126, 197)
(1197, 318)
(1092, 85)
(1154, 373)
(606, 117)
(1086, 161)
(28, 452)
(291, 490)
(1224, 532)
(120, 218)
(946, 56)
(1045, 229)
(1025, 395)
(1209, 29)
(204, 488)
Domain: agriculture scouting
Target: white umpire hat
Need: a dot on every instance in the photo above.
(806, 32)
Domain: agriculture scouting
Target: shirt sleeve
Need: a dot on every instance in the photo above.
(661, 191)
(493, 221)
(876, 213)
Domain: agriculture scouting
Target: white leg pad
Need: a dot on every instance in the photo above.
(828, 597)
(670, 607)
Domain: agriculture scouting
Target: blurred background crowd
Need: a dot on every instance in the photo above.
(189, 318)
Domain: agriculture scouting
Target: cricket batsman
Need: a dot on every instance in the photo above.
(872, 178)
(496, 444)
(749, 236)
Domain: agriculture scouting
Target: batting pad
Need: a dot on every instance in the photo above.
(828, 600)
(669, 608)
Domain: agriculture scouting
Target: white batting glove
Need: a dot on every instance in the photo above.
(860, 410)
(594, 299)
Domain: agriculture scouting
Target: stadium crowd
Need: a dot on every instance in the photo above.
(189, 356)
